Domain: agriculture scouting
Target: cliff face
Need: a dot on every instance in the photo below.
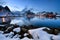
(1, 8)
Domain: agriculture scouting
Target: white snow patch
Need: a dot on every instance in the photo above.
(16, 36)
(26, 38)
(39, 34)
(9, 34)
(2, 37)
(56, 37)
(25, 34)
(1, 32)
(17, 29)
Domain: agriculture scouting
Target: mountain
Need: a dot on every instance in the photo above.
(16, 13)
(1, 8)
(7, 8)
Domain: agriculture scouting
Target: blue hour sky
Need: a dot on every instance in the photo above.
(38, 5)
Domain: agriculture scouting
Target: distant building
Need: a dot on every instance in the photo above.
(49, 14)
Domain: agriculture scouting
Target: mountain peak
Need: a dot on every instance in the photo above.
(7, 8)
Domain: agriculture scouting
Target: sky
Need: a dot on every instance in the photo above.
(37, 5)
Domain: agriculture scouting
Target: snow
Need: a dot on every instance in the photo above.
(25, 34)
(1, 32)
(9, 34)
(56, 37)
(17, 29)
(17, 36)
(39, 34)
(2, 37)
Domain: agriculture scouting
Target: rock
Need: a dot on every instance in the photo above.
(17, 30)
(52, 31)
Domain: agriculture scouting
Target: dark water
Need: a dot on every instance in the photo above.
(46, 22)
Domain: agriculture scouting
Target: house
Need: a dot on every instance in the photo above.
(49, 15)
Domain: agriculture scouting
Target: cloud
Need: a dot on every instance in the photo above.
(2, 2)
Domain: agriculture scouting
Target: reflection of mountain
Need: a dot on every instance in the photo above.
(17, 13)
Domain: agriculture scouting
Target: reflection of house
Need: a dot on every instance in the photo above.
(4, 11)
(49, 14)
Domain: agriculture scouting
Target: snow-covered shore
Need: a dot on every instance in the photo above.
(19, 33)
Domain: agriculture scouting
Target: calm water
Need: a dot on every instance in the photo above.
(46, 22)
(40, 22)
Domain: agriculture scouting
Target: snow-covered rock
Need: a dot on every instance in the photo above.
(9, 34)
(56, 37)
(1, 32)
(26, 34)
(39, 34)
(16, 36)
(17, 29)
(2, 37)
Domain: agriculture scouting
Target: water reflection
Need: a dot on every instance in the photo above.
(40, 21)
(46, 22)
